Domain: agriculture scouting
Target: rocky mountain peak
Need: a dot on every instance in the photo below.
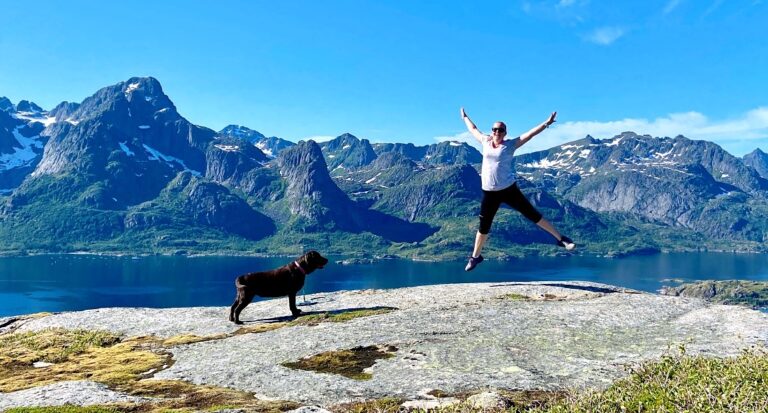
(5, 104)
(392, 159)
(311, 193)
(409, 150)
(341, 142)
(237, 131)
(348, 151)
(138, 98)
(27, 106)
(128, 135)
(64, 110)
(758, 160)
(306, 155)
(452, 152)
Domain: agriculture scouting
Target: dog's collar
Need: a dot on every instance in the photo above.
(299, 267)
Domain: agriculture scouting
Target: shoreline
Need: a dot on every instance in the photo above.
(378, 257)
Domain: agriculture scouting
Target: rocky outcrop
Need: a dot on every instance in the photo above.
(228, 160)
(315, 199)
(311, 193)
(443, 339)
(64, 111)
(737, 292)
(758, 160)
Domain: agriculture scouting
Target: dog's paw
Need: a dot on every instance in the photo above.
(296, 313)
(238, 322)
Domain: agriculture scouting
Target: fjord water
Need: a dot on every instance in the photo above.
(77, 282)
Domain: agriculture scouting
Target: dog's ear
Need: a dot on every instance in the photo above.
(307, 258)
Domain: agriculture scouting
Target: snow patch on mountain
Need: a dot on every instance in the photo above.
(170, 160)
(373, 179)
(35, 117)
(131, 88)
(227, 148)
(21, 156)
(263, 147)
(125, 149)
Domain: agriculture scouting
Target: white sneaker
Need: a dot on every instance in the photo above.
(566, 243)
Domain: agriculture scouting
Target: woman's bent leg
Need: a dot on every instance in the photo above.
(479, 242)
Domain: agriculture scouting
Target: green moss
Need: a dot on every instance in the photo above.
(384, 405)
(339, 316)
(348, 363)
(184, 396)
(514, 297)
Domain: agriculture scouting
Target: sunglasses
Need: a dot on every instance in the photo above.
(498, 130)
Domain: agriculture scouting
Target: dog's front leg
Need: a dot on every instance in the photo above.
(292, 304)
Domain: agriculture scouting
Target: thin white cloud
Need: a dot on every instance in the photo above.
(605, 36)
(737, 135)
(671, 6)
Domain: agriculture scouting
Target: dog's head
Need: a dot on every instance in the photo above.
(312, 261)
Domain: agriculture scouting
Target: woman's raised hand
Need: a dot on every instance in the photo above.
(551, 119)
(463, 114)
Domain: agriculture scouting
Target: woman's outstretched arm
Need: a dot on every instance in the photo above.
(536, 130)
(471, 127)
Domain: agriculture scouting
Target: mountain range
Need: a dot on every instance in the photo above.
(123, 172)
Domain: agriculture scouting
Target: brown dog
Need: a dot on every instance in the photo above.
(286, 280)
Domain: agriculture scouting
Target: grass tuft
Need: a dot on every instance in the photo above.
(51, 345)
(514, 297)
(683, 383)
(348, 363)
(76, 355)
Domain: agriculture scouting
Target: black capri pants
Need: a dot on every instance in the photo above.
(511, 196)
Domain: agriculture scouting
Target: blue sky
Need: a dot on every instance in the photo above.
(398, 71)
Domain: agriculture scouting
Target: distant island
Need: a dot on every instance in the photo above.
(735, 292)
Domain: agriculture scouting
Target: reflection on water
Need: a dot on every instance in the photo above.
(76, 282)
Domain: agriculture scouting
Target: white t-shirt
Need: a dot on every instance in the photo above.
(498, 170)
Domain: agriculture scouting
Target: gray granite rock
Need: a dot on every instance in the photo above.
(453, 338)
(82, 393)
(488, 401)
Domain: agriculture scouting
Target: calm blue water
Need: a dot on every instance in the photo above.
(77, 282)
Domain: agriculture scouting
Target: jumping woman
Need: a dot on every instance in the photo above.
(499, 183)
